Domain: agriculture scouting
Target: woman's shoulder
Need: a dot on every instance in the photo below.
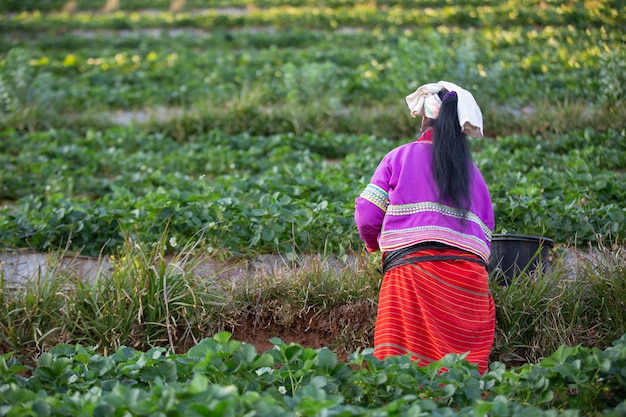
(414, 147)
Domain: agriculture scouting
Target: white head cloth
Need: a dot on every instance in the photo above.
(425, 102)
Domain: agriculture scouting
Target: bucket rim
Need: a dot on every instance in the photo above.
(528, 238)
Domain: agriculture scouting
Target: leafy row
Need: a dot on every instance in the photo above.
(304, 79)
(503, 14)
(280, 193)
(59, 5)
(223, 377)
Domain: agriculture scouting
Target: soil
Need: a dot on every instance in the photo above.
(343, 329)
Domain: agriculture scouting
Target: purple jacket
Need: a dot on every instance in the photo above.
(399, 206)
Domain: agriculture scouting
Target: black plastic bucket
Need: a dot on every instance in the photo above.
(512, 255)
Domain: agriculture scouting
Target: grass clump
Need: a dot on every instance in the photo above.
(140, 298)
(148, 299)
(34, 314)
(578, 301)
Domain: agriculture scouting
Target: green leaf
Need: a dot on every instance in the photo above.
(293, 352)
(380, 378)
(326, 359)
(199, 383)
(246, 354)
(319, 381)
(104, 410)
(222, 337)
(41, 407)
(262, 361)
(482, 408)
(277, 341)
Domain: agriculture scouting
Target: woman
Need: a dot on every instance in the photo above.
(428, 209)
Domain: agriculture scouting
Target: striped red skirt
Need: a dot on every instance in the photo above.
(434, 302)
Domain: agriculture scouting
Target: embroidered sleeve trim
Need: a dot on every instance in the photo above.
(376, 195)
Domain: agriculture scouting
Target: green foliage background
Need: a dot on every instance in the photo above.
(139, 130)
(256, 128)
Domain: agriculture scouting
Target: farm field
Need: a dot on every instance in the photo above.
(205, 157)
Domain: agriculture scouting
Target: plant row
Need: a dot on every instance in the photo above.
(514, 73)
(224, 377)
(99, 5)
(501, 14)
(281, 193)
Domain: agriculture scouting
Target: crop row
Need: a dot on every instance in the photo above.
(96, 5)
(279, 193)
(224, 377)
(498, 14)
(508, 69)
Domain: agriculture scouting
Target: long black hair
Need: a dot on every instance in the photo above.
(451, 155)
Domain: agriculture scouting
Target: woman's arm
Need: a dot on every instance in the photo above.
(369, 212)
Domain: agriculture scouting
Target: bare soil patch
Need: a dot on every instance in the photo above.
(343, 329)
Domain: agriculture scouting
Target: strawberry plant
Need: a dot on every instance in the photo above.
(222, 376)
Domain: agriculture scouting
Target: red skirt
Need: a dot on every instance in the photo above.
(433, 307)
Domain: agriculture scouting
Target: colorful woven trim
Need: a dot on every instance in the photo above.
(397, 239)
(408, 209)
(376, 195)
